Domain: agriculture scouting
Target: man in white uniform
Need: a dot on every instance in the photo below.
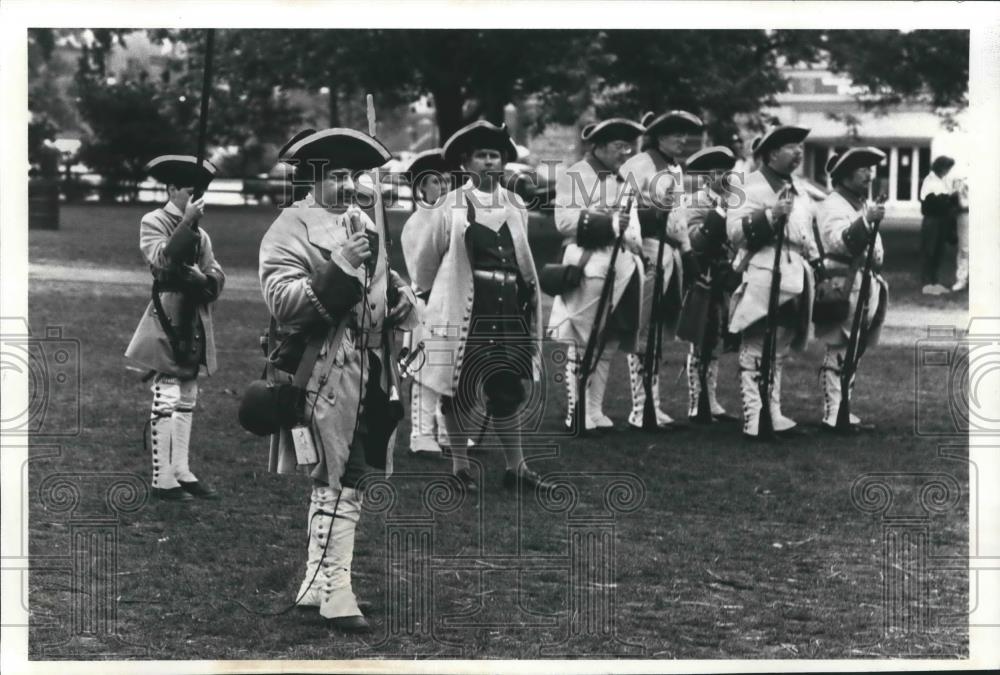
(774, 198)
(844, 221)
(657, 177)
(589, 198)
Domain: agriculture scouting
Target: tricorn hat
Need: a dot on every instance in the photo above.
(779, 136)
(182, 171)
(339, 148)
(714, 157)
(292, 141)
(613, 129)
(854, 158)
(673, 121)
(427, 161)
(478, 135)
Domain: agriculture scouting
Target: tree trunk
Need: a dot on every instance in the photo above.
(491, 107)
(334, 101)
(448, 102)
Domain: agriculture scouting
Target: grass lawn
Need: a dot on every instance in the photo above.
(738, 550)
(92, 234)
(108, 236)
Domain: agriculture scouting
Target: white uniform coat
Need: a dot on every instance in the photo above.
(749, 302)
(646, 173)
(439, 261)
(833, 217)
(587, 185)
(149, 348)
(303, 238)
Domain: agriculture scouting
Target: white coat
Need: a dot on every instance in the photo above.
(749, 302)
(573, 313)
(439, 261)
(833, 217)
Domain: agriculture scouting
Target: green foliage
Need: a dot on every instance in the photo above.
(50, 80)
(267, 82)
(41, 129)
(715, 74)
(930, 66)
(130, 123)
(250, 97)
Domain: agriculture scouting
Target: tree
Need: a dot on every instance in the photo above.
(470, 73)
(250, 96)
(715, 74)
(928, 66)
(129, 126)
(49, 81)
(267, 79)
(475, 73)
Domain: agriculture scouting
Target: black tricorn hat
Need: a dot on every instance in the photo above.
(425, 162)
(673, 121)
(854, 158)
(339, 148)
(282, 153)
(181, 170)
(478, 135)
(714, 157)
(779, 136)
(613, 129)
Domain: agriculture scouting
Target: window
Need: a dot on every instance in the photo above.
(925, 162)
(880, 182)
(904, 174)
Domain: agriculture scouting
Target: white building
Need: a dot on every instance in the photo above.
(911, 135)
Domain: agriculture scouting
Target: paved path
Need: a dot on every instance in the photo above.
(905, 323)
(95, 280)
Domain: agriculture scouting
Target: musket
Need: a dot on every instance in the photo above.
(858, 326)
(707, 344)
(765, 425)
(177, 335)
(206, 94)
(651, 358)
(597, 338)
(380, 226)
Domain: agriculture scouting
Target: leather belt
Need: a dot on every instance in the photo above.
(499, 277)
(368, 338)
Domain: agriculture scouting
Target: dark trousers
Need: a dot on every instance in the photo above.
(933, 236)
(367, 450)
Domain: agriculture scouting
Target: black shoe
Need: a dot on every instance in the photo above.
(200, 490)
(669, 427)
(850, 430)
(464, 477)
(595, 432)
(700, 419)
(795, 432)
(774, 437)
(177, 494)
(528, 479)
(351, 624)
